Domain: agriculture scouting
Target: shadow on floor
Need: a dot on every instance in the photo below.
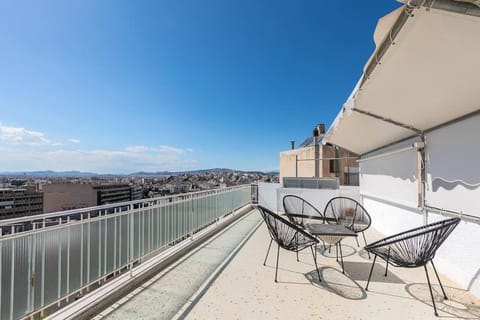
(330, 252)
(359, 271)
(338, 283)
(364, 254)
(460, 305)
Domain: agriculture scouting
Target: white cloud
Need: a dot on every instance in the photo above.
(20, 152)
(138, 149)
(169, 149)
(22, 136)
(132, 159)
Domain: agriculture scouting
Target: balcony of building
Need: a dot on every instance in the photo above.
(201, 256)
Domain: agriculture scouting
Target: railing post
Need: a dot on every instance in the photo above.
(89, 225)
(12, 277)
(68, 257)
(81, 252)
(59, 269)
(1, 271)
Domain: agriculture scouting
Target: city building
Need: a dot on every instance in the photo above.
(316, 159)
(20, 202)
(68, 196)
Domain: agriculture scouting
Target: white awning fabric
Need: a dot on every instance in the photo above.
(428, 77)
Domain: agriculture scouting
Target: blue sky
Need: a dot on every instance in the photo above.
(123, 86)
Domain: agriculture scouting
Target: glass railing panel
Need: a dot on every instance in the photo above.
(60, 256)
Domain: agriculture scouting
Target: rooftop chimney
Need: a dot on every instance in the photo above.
(321, 128)
(292, 144)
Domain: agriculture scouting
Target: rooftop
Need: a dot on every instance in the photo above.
(225, 279)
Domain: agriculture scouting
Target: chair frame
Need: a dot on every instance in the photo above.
(299, 217)
(293, 245)
(292, 216)
(378, 249)
(352, 225)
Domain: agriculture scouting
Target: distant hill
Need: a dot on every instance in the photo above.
(49, 173)
(81, 174)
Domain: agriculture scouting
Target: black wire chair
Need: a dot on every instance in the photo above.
(300, 211)
(349, 213)
(287, 235)
(413, 248)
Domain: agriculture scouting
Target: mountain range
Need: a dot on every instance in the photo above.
(82, 174)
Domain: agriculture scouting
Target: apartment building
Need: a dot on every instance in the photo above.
(68, 196)
(16, 202)
(315, 159)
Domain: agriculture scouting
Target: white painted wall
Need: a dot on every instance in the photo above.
(317, 197)
(267, 195)
(270, 195)
(453, 166)
(392, 177)
(389, 189)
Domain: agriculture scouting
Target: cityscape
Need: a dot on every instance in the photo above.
(35, 193)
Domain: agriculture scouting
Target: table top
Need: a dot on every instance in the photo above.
(318, 229)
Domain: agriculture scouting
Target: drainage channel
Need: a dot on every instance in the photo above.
(166, 294)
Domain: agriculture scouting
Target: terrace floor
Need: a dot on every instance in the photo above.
(226, 279)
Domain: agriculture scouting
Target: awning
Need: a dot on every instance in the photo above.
(424, 73)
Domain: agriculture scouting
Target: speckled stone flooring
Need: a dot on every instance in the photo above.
(164, 295)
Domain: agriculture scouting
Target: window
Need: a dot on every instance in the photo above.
(333, 168)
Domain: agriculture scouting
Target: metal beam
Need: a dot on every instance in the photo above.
(388, 120)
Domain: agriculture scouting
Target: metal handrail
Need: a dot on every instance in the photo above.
(58, 214)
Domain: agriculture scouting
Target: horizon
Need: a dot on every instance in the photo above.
(118, 87)
(86, 173)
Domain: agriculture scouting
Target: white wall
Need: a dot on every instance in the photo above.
(453, 166)
(271, 195)
(392, 177)
(267, 195)
(389, 189)
(317, 197)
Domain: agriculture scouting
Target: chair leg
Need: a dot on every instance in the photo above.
(438, 278)
(371, 270)
(341, 256)
(388, 258)
(276, 268)
(358, 244)
(265, 261)
(364, 239)
(431, 292)
(296, 239)
(315, 260)
(336, 250)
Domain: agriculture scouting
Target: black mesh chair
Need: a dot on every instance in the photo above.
(413, 248)
(287, 235)
(300, 211)
(349, 213)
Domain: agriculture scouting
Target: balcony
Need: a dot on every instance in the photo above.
(212, 268)
(238, 286)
